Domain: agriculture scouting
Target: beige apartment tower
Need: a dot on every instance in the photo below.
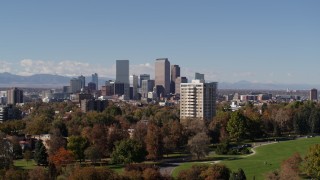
(198, 100)
(162, 76)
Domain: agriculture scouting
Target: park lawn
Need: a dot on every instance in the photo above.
(23, 164)
(272, 155)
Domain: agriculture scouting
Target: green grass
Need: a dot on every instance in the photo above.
(117, 168)
(23, 164)
(254, 166)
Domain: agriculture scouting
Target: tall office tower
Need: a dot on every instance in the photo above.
(198, 100)
(162, 76)
(313, 95)
(146, 87)
(75, 85)
(95, 80)
(108, 89)
(175, 73)
(83, 81)
(92, 87)
(144, 77)
(199, 76)
(122, 77)
(134, 80)
(178, 82)
(15, 96)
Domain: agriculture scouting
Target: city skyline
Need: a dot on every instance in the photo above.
(262, 42)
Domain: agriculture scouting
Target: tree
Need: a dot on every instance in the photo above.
(62, 157)
(56, 141)
(77, 145)
(17, 150)
(38, 173)
(312, 162)
(6, 153)
(216, 171)
(193, 173)
(198, 145)
(93, 153)
(27, 155)
(290, 167)
(81, 173)
(97, 136)
(240, 175)
(154, 142)
(237, 126)
(128, 151)
(40, 154)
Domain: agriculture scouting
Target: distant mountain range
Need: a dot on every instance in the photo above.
(57, 81)
(39, 80)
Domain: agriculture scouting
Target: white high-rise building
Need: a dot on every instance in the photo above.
(198, 100)
(122, 76)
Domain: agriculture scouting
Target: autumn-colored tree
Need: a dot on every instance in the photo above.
(27, 155)
(82, 173)
(218, 125)
(98, 137)
(115, 134)
(216, 171)
(290, 167)
(172, 136)
(62, 157)
(56, 141)
(151, 174)
(140, 132)
(312, 162)
(38, 173)
(154, 142)
(193, 173)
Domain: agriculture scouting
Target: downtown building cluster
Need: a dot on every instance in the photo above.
(167, 88)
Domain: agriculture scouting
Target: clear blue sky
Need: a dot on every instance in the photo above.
(262, 41)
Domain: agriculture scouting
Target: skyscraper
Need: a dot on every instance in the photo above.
(313, 95)
(82, 81)
(134, 80)
(162, 76)
(198, 100)
(178, 82)
(122, 76)
(75, 85)
(15, 96)
(144, 77)
(95, 80)
(199, 76)
(175, 73)
(146, 87)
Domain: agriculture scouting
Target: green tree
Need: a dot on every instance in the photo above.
(237, 126)
(128, 151)
(312, 162)
(27, 155)
(6, 154)
(239, 175)
(93, 153)
(77, 145)
(199, 145)
(40, 154)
